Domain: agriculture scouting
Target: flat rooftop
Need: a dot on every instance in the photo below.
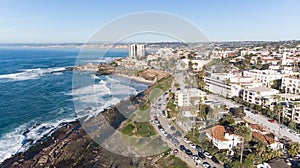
(261, 89)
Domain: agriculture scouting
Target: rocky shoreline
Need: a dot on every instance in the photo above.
(70, 145)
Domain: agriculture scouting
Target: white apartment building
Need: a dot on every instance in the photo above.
(266, 77)
(222, 138)
(136, 51)
(229, 84)
(292, 111)
(218, 83)
(183, 98)
(259, 95)
(291, 84)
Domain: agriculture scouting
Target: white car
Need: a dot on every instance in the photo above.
(192, 145)
(165, 133)
(186, 140)
(207, 154)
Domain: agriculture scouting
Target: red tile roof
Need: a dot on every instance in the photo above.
(263, 138)
(217, 132)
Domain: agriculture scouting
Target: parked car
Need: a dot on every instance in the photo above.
(182, 147)
(214, 159)
(192, 145)
(247, 110)
(175, 151)
(201, 155)
(198, 148)
(271, 121)
(206, 165)
(175, 141)
(186, 140)
(188, 152)
(207, 154)
(196, 159)
(163, 113)
(226, 165)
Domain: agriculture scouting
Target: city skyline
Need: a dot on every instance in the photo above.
(64, 21)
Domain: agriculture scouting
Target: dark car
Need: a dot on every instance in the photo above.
(214, 159)
(188, 152)
(198, 148)
(226, 165)
(201, 155)
(182, 147)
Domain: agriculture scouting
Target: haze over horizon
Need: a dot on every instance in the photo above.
(67, 21)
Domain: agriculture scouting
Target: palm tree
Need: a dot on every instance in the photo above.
(246, 135)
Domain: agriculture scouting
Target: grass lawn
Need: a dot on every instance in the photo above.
(144, 129)
(128, 129)
(172, 161)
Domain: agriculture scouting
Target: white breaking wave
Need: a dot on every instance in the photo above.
(28, 74)
(106, 93)
(24, 136)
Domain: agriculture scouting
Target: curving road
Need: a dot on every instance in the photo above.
(156, 110)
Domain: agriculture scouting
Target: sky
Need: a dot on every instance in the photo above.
(31, 21)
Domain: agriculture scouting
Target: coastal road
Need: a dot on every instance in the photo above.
(156, 110)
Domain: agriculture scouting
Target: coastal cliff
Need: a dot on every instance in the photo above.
(70, 146)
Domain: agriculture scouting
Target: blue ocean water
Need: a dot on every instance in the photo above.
(36, 93)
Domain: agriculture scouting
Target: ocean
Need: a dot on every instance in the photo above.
(36, 92)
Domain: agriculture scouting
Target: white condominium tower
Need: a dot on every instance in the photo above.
(136, 51)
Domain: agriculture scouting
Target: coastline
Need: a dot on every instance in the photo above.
(65, 133)
(136, 78)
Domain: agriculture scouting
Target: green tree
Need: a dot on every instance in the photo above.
(227, 120)
(294, 149)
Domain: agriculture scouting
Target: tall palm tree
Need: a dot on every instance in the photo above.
(246, 135)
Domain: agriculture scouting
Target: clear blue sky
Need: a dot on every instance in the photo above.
(220, 20)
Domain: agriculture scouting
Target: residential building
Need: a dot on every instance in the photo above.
(218, 83)
(137, 51)
(267, 140)
(259, 95)
(266, 77)
(292, 111)
(229, 84)
(291, 84)
(222, 138)
(183, 98)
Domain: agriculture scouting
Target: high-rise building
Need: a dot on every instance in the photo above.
(136, 51)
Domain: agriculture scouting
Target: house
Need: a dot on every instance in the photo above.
(222, 138)
(267, 140)
(274, 163)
